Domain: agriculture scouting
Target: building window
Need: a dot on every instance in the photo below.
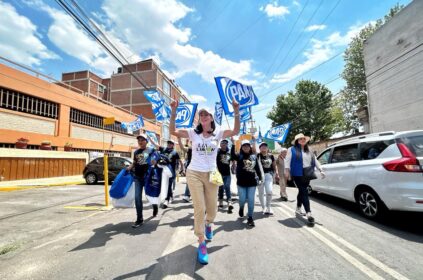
(101, 88)
(84, 118)
(166, 87)
(21, 102)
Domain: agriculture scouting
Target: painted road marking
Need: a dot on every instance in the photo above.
(356, 250)
(90, 208)
(363, 268)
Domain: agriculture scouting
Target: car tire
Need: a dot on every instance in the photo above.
(369, 203)
(91, 178)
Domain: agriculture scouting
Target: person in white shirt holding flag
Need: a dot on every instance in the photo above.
(205, 139)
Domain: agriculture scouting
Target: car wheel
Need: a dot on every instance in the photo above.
(369, 203)
(91, 178)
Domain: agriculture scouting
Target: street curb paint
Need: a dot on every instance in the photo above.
(28, 187)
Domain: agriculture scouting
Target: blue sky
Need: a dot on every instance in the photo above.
(268, 44)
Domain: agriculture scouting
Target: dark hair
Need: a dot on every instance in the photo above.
(298, 148)
(199, 128)
(246, 154)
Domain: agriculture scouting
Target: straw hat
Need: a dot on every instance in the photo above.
(298, 136)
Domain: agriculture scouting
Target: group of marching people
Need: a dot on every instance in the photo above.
(209, 151)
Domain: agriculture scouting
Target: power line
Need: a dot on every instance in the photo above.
(298, 37)
(286, 39)
(302, 75)
(65, 6)
(313, 34)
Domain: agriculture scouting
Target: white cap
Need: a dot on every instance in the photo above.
(245, 142)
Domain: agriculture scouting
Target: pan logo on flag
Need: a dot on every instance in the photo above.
(184, 114)
(277, 131)
(240, 92)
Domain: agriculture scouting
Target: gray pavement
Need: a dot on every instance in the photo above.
(47, 239)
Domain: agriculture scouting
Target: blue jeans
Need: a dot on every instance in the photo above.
(170, 189)
(302, 197)
(139, 185)
(247, 194)
(226, 187)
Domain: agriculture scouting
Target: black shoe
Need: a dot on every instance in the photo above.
(138, 223)
(241, 212)
(250, 222)
(310, 219)
(284, 198)
(155, 210)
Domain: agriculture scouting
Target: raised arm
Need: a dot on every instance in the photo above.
(235, 131)
(172, 127)
(234, 156)
(155, 144)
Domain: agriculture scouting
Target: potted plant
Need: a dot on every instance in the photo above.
(45, 145)
(22, 143)
(68, 147)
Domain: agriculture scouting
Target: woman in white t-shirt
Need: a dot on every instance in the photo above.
(205, 139)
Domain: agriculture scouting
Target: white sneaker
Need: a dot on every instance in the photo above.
(269, 211)
(263, 210)
(185, 198)
(165, 203)
(298, 211)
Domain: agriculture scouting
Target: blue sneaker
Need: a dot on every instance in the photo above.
(203, 257)
(209, 232)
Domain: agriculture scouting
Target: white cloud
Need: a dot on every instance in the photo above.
(315, 27)
(155, 28)
(321, 51)
(71, 39)
(197, 98)
(296, 3)
(19, 40)
(272, 10)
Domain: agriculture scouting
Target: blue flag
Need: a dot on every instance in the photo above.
(134, 125)
(243, 129)
(245, 114)
(160, 109)
(278, 133)
(152, 135)
(185, 114)
(229, 89)
(260, 137)
(218, 113)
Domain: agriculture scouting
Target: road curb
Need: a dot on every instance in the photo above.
(12, 188)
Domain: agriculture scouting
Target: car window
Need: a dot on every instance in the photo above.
(345, 153)
(324, 157)
(98, 161)
(414, 143)
(371, 150)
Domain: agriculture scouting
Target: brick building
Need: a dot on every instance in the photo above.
(123, 90)
(39, 110)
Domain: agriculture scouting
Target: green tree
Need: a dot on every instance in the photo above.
(308, 108)
(354, 94)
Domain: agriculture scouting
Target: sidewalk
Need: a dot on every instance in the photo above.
(17, 185)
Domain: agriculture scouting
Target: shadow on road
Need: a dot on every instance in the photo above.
(406, 225)
(105, 233)
(178, 263)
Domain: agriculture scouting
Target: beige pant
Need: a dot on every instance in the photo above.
(282, 185)
(204, 198)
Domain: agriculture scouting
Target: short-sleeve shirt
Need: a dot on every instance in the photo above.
(141, 158)
(171, 154)
(267, 162)
(204, 150)
(223, 161)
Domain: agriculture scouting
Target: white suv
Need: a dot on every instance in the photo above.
(377, 171)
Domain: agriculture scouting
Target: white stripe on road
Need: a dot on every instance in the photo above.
(366, 270)
(355, 249)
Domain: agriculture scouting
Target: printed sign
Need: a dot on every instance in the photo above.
(278, 133)
(185, 114)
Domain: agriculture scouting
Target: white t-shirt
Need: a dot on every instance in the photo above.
(204, 150)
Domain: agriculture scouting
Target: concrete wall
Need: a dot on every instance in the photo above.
(393, 61)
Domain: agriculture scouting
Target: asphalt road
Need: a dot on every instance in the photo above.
(62, 233)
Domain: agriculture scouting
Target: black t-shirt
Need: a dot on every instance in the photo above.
(267, 162)
(171, 154)
(247, 169)
(141, 161)
(223, 161)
